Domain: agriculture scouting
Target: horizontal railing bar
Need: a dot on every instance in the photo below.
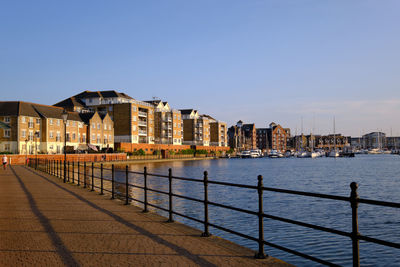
(157, 191)
(232, 208)
(232, 184)
(378, 241)
(137, 200)
(188, 198)
(379, 203)
(157, 175)
(321, 228)
(158, 207)
(233, 232)
(300, 254)
(302, 193)
(187, 179)
(188, 217)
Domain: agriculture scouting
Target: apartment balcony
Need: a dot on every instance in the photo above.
(142, 123)
(142, 114)
(141, 132)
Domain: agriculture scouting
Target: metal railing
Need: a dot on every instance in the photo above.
(56, 168)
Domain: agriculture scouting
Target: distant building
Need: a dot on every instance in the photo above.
(275, 137)
(242, 136)
(374, 140)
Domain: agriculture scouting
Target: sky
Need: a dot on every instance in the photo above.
(283, 61)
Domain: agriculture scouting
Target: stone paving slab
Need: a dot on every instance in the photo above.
(46, 222)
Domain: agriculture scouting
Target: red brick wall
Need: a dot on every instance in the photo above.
(21, 159)
(128, 147)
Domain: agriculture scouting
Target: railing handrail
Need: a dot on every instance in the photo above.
(55, 168)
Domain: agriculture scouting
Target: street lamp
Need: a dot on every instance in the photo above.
(64, 117)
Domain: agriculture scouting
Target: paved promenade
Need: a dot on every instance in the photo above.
(44, 222)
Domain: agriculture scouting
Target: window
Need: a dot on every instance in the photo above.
(58, 122)
(134, 127)
(30, 136)
(98, 126)
(94, 126)
(58, 138)
(174, 124)
(109, 138)
(51, 134)
(67, 123)
(23, 119)
(134, 108)
(74, 123)
(6, 119)
(93, 137)
(30, 124)
(7, 133)
(79, 137)
(23, 134)
(109, 127)
(105, 126)
(73, 136)
(37, 121)
(98, 139)
(51, 121)
(134, 118)
(68, 137)
(7, 147)
(84, 138)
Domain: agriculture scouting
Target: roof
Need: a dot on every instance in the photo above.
(20, 108)
(86, 117)
(208, 116)
(70, 102)
(187, 111)
(103, 94)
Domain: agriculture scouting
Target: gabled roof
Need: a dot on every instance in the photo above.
(70, 102)
(86, 117)
(187, 111)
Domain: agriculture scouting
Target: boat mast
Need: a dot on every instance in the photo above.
(334, 134)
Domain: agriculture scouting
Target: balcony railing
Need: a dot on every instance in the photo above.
(142, 123)
(142, 114)
(142, 132)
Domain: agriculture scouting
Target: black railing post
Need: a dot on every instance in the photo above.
(354, 222)
(126, 186)
(112, 182)
(56, 167)
(79, 178)
(73, 172)
(101, 179)
(261, 253)
(68, 172)
(84, 175)
(92, 187)
(65, 171)
(170, 219)
(206, 233)
(145, 189)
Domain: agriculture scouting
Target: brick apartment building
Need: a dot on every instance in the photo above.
(324, 142)
(275, 137)
(196, 128)
(29, 128)
(133, 119)
(242, 136)
(168, 128)
(218, 132)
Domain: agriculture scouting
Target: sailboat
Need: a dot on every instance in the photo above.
(334, 153)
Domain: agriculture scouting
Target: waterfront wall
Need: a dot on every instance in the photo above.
(150, 148)
(21, 159)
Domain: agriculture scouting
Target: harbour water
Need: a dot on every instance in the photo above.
(378, 177)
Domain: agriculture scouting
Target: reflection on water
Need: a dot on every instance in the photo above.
(378, 177)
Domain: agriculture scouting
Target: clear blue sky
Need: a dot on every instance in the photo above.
(259, 61)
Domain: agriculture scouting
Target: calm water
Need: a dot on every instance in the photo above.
(378, 177)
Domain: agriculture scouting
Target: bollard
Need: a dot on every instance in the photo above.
(170, 219)
(145, 189)
(206, 233)
(92, 187)
(112, 182)
(261, 253)
(126, 186)
(101, 179)
(354, 223)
